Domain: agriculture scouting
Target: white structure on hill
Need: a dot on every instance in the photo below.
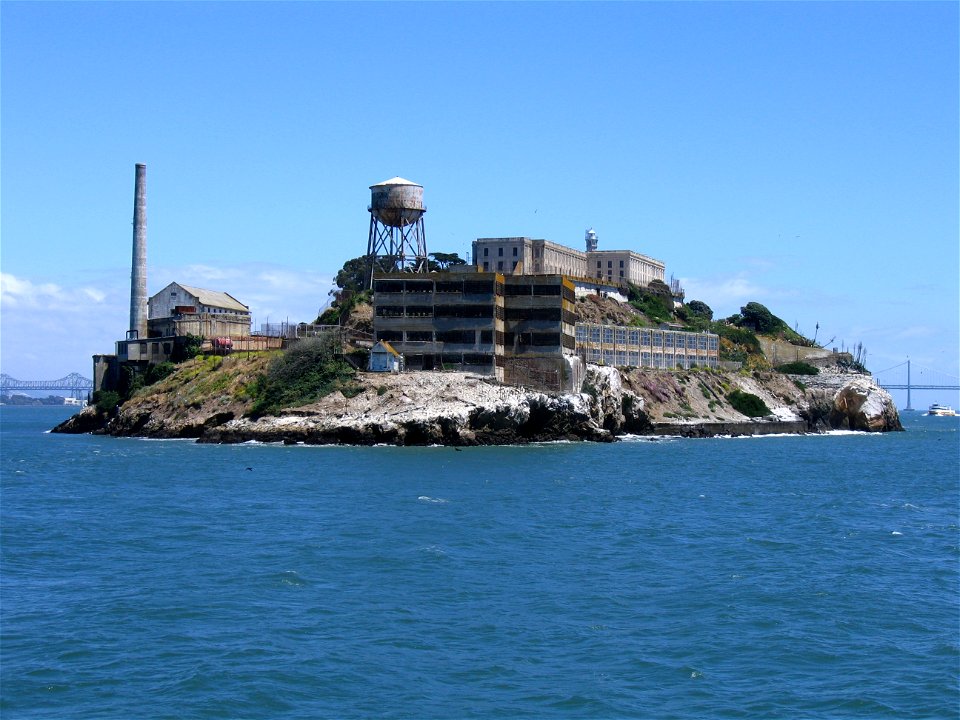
(529, 256)
(185, 310)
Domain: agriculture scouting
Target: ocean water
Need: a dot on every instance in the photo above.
(775, 577)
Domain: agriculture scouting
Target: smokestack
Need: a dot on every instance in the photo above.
(138, 276)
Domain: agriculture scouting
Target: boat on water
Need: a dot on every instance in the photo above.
(941, 410)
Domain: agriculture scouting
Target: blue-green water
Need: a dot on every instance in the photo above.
(779, 577)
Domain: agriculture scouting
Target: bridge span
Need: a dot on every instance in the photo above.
(76, 384)
(903, 379)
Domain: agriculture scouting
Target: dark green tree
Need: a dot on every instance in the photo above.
(698, 308)
(352, 277)
(443, 261)
(756, 316)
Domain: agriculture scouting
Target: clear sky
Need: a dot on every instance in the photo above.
(801, 155)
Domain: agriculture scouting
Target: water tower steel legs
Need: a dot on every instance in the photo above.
(396, 249)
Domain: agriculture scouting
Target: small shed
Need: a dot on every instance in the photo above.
(383, 358)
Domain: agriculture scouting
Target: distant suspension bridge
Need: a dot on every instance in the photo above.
(901, 377)
(76, 384)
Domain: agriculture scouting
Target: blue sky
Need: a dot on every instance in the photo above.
(801, 155)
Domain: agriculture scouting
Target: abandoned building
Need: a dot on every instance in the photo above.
(512, 327)
(185, 310)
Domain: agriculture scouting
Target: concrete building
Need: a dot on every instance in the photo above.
(179, 310)
(441, 319)
(623, 266)
(518, 329)
(529, 256)
(627, 346)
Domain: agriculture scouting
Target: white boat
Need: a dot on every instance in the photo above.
(941, 410)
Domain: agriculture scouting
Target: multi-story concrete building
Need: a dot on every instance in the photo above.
(529, 256)
(439, 319)
(519, 329)
(622, 266)
(627, 346)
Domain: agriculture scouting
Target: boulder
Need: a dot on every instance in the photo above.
(863, 405)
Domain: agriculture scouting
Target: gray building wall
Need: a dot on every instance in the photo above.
(529, 256)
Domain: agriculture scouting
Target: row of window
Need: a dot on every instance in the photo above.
(486, 252)
(452, 337)
(614, 335)
(630, 358)
(486, 265)
(440, 311)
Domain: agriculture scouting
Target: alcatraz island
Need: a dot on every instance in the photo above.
(531, 341)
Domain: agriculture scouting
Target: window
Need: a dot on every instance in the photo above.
(486, 251)
(515, 252)
(621, 265)
(500, 263)
(609, 263)
(500, 252)
(599, 264)
(486, 265)
(621, 273)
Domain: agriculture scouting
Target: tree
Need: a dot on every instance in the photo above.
(442, 261)
(756, 316)
(352, 277)
(698, 308)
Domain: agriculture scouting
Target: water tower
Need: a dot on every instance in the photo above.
(397, 242)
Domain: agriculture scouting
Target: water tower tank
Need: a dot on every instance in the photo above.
(397, 202)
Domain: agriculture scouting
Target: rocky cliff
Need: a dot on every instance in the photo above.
(463, 409)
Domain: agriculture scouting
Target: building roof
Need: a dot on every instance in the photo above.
(213, 298)
(396, 181)
(386, 346)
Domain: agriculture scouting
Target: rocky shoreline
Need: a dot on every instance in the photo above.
(459, 409)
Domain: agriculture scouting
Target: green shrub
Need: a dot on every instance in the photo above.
(653, 301)
(748, 404)
(156, 373)
(106, 401)
(738, 336)
(186, 348)
(798, 368)
(309, 370)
